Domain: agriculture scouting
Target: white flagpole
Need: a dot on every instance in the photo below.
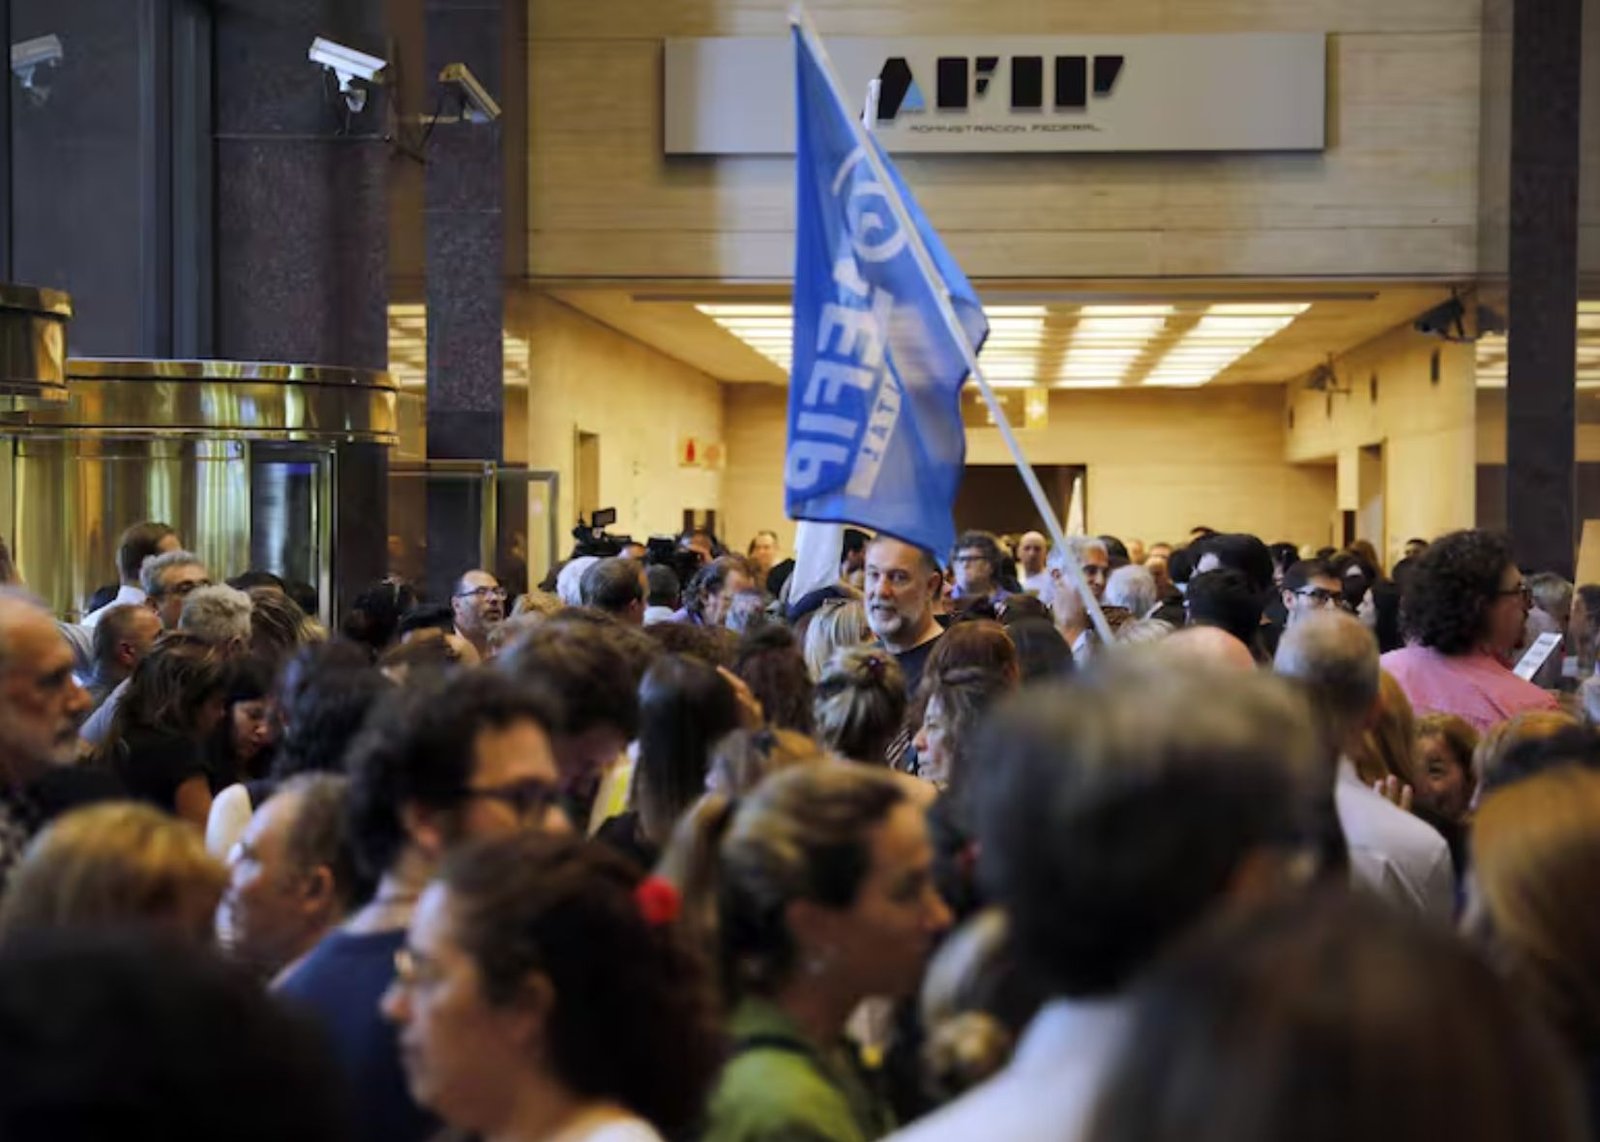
(800, 18)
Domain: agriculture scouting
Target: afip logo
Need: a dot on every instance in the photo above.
(960, 79)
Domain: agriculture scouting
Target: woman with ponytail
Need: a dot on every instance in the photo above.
(814, 893)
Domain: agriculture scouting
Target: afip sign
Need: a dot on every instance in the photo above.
(961, 79)
(1246, 92)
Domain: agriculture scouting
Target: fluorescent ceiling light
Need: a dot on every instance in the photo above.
(720, 311)
(1261, 309)
(1125, 311)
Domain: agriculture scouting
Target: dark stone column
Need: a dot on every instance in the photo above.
(302, 226)
(1543, 286)
(84, 211)
(465, 284)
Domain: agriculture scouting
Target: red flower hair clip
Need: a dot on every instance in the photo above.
(659, 901)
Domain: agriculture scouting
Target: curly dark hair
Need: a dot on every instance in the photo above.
(634, 1018)
(1451, 588)
(419, 747)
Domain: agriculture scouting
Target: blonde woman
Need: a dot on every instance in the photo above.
(861, 704)
(1536, 875)
(841, 624)
(116, 865)
(1490, 761)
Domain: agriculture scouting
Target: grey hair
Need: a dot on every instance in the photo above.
(1077, 547)
(1551, 593)
(1337, 660)
(319, 835)
(1133, 588)
(217, 615)
(156, 566)
(1143, 631)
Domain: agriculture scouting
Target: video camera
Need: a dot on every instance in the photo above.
(663, 551)
(593, 539)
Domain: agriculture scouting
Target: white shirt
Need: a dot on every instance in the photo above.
(1036, 584)
(230, 816)
(126, 597)
(1393, 855)
(1048, 1092)
(654, 615)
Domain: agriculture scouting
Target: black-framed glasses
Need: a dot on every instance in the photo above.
(1520, 589)
(482, 593)
(527, 799)
(1321, 595)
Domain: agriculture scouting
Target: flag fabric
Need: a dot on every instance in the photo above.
(875, 433)
(818, 548)
(1075, 520)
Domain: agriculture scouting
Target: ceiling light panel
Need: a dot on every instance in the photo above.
(1223, 335)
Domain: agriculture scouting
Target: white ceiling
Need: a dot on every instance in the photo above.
(1077, 336)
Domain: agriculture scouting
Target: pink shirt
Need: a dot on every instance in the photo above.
(1474, 687)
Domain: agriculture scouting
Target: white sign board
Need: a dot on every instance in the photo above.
(1536, 655)
(1248, 92)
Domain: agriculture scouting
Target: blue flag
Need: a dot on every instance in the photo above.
(875, 434)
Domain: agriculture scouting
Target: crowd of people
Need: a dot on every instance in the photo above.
(668, 849)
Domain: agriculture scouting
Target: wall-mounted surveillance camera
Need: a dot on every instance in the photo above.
(349, 65)
(477, 105)
(29, 58)
(1444, 321)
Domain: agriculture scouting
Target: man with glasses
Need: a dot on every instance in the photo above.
(467, 759)
(168, 580)
(1309, 587)
(976, 563)
(479, 603)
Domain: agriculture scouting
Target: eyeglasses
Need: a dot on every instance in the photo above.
(482, 593)
(1520, 589)
(1320, 595)
(414, 970)
(527, 799)
(186, 588)
(968, 560)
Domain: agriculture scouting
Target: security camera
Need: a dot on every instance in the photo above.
(349, 65)
(31, 55)
(1444, 321)
(478, 106)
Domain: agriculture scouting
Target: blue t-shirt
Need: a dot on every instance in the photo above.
(340, 984)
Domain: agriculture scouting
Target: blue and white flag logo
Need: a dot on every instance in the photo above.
(875, 433)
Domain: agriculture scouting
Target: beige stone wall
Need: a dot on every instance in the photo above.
(1427, 432)
(584, 376)
(1158, 462)
(1395, 193)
